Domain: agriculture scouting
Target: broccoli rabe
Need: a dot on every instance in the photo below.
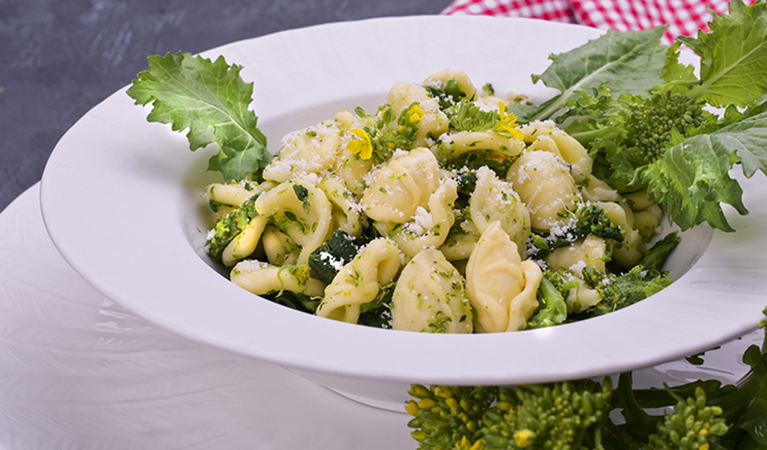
(448, 95)
(391, 132)
(335, 253)
(563, 415)
(619, 291)
(631, 131)
(552, 309)
(556, 416)
(228, 227)
(643, 280)
(587, 219)
(586, 414)
(692, 426)
(467, 116)
(377, 313)
(449, 417)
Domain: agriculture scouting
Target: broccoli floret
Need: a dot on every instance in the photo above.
(630, 131)
(467, 116)
(555, 415)
(389, 132)
(562, 415)
(583, 414)
(692, 426)
(588, 219)
(228, 227)
(619, 291)
(449, 417)
(552, 309)
(335, 253)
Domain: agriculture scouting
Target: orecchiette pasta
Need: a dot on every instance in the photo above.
(462, 142)
(360, 281)
(430, 296)
(404, 185)
(501, 287)
(301, 211)
(546, 186)
(435, 213)
(495, 200)
(429, 228)
(263, 278)
(308, 151)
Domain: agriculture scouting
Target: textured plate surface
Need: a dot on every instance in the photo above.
(78, 372)
(120, 198)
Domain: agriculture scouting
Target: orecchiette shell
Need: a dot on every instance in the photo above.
(441, 78)
(501, 287)
(430, 297)
(307, 222)
(434, 226)
(313, 150)
(360, 281)
(590, 251)
(546, 186)
(261, 278)
(433, 123)
(346, 212)
(495, 200)
(402, 186)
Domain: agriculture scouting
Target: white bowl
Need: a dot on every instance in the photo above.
(121, 199)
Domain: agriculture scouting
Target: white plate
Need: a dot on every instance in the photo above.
(81, 372)
(121, 200)
(78, 372)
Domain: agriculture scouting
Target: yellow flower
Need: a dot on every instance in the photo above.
(508, 123)
(524, 438)
(363, 146)
(416, 114)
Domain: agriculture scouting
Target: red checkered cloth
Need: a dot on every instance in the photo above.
(684, 17)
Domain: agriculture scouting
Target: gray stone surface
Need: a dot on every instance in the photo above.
(60, 58)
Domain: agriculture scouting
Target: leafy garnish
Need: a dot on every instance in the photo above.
(733, 56)
(629, 62)
(210, 100)
(666, 138)
(692, 179)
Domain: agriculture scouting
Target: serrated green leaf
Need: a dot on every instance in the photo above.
(628, 62)
(678, 76)
(209, 100)
(692, 178)
(733, 56)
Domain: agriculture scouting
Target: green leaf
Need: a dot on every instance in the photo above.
(692, 179)
(210, 100)
(677, 75)
(733, 56)
(628, 62)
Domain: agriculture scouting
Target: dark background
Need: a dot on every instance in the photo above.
(59, 58)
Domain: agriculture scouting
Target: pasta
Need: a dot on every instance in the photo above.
(436, 213)
(430, 296)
